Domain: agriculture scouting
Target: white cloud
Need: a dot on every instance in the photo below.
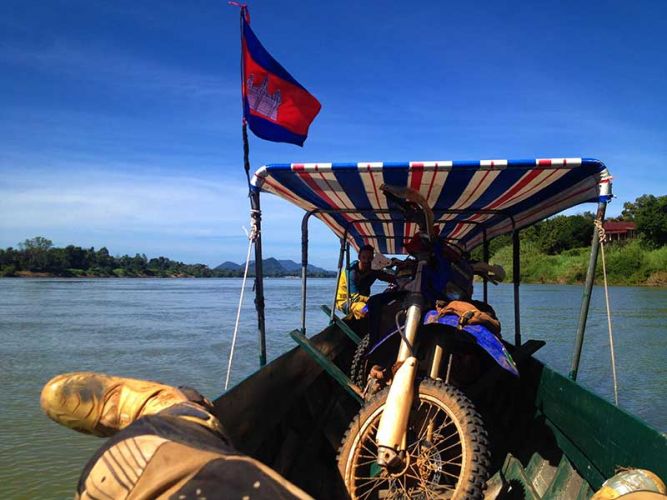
(194, 219)
(102, 200)
(73, 203)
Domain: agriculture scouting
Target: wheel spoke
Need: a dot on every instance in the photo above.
(393, 491)
(404, 485)
(422, 483)
(447, 448)
(371, 452)
(458, 465)
(452, 462)
(455, 432)
(367, 494)
(426, 419)
(367, 462)
(450, 474)
(428, 486)
(370, 479)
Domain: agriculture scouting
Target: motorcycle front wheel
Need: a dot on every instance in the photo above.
(446, 455)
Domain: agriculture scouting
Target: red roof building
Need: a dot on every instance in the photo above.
(619, 230)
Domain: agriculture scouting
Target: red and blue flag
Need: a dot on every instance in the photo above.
(275, 106)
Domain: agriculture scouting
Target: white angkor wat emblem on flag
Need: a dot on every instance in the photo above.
(260, 100)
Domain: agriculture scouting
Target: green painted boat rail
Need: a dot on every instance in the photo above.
(345, 328)
(597, 437)
(587, 441)
(328, 365)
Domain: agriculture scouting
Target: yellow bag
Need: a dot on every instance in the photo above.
(341, 292)
(357, 301)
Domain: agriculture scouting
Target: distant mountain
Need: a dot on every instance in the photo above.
(228, 266)
(271, 267)
(290, 265)
(275, 267)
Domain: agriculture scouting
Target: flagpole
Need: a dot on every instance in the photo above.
(260, 112)
(256, 234)
(256, 221)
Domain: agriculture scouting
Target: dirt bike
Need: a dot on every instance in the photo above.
(418, 435)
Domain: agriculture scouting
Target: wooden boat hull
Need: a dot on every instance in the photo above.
(550, 437)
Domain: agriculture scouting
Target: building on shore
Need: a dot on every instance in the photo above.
(620, 230)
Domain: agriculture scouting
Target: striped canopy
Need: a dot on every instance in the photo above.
(467, 197)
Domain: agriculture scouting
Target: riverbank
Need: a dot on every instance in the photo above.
(84, 275)
(629, 265)
(79, 273)
(38, 258)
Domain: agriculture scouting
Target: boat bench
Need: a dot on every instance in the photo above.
(540, 479)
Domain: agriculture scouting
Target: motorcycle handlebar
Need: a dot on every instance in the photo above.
(413, 205)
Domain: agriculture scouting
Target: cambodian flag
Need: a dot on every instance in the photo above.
(276, 107)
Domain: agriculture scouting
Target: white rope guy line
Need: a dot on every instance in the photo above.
(251, 239)
(602, 235)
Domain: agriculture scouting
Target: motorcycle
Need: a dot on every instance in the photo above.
(418, 435)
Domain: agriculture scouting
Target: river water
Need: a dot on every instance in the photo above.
(179, 331)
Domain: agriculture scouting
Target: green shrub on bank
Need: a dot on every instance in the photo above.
(634, 263)
(7, 270)
(627, 264)
(657, 259)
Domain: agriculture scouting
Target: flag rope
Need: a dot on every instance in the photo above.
(251, 240)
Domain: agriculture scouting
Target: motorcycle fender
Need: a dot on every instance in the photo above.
(494, 348)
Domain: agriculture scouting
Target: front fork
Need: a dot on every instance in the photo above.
(392, 429)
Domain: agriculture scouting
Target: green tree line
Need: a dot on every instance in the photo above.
(561, 233)
(38, 255)
(556, 250)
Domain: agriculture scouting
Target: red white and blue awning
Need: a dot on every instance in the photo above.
(467, 197)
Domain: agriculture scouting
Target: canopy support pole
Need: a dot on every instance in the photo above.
(347, 266)
(516, 278)
(588, 288)
(485, 257)
(256, 220)
(256, 216)
(304, 268)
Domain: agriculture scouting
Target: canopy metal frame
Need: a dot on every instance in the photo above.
(604, 197)
(345, 246)
(516, 269)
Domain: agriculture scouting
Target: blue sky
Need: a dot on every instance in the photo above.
(120, 121)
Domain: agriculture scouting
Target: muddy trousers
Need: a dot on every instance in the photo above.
(173, 455)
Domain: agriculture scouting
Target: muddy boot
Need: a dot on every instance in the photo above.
(101, 405)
